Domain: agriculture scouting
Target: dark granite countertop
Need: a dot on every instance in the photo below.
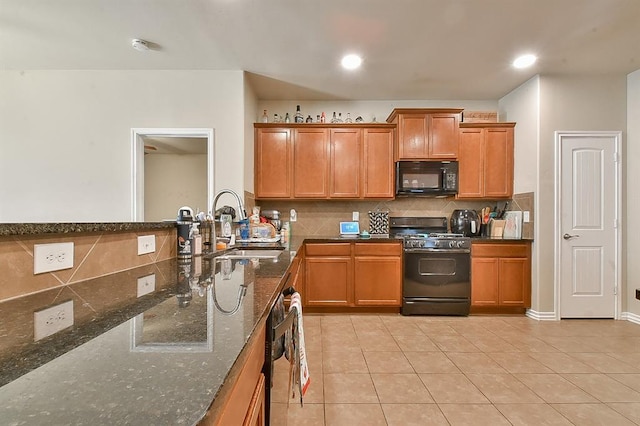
(7, 229)
(481, 240)
(135, 358)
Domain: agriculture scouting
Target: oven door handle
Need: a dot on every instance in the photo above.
(435, 274)
(427, 251)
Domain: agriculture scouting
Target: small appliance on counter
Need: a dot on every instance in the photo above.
(273, 217)
(465, 222)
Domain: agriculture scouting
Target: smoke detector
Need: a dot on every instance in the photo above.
(139, 44)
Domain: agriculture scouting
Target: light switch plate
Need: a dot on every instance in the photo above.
(355, 216)
(52, 320)
(146, 284)
(146, 244)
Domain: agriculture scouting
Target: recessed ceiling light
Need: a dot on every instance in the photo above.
(525, 61)
(139, 44)
(351, 62)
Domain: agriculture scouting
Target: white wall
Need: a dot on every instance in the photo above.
(65, 152)
(172, 181)
(568, 103)
(522, 105)
(250, 112)
(632, 227)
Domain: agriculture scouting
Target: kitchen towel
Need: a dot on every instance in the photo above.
(303, 368)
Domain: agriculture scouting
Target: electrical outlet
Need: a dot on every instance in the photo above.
(293, 215)
(146, 284)
(525, 217)
(355, 216)
(52, 320)
(146, 244)
(52, 257)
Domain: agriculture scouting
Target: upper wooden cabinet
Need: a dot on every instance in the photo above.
(426, 133)
(486, 160)
(273, 163)
(320, 161)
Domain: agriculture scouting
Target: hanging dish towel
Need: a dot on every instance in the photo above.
(296, 301)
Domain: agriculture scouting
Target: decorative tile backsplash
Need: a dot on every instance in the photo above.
(95, 255)
(322, 217)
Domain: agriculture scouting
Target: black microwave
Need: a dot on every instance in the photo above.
(427, 178)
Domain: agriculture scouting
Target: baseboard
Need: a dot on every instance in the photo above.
(541, 316)
(630, 316)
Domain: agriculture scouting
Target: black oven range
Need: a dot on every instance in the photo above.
(436, 269)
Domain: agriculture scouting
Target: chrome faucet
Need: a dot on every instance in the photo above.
(241, 213)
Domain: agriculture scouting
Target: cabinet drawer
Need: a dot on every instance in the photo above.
(378, 249)
(499, 250)
(327, 249)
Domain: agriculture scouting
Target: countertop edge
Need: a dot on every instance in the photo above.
(10, 229)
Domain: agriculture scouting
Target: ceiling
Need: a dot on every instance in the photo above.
(412, 49)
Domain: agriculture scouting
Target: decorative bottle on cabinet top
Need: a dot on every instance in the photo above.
(265, 117)
(298, 118)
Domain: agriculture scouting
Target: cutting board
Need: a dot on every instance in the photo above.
(513, 225)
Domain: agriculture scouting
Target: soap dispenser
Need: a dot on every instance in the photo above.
(196, 239)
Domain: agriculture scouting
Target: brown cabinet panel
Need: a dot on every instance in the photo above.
(311, 163)
(498, 170)
(486, 160)
(484, 282)
(255, 414)
(378, 249)
(443, 136)
(345, 163)
(327, 249)
(273, 163)
(470, 164)
(378, 173)
(328, 281)
(501, 276)
(413, 136)
(426, 133)
(513, 278)
(378, 281)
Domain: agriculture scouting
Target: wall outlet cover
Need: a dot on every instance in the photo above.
(52, 257)
(52, 320)
(146, 244)
(146, 284)
(355, 216)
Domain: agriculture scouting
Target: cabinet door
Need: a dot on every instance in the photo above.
(470, 163)
(378, 172)
(273, 163)
(327, 281)
(345, 163)
(443, 136)
(413, 136)
(256, 413)
(484, 282)
(311, 163)
(378, 281)
(498, 162)
(514, 274)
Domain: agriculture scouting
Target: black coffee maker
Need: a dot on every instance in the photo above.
(465, 222)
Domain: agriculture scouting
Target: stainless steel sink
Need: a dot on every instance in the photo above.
(251, 254)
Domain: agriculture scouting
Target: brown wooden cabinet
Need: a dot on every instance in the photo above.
(344, 170)
(500, 277)
(353, 275)
(486, 160)
(320, 161)
(328, 274)
(426, 133)
(377, 274)
(273, 158)
(311, 163)
(377, 163)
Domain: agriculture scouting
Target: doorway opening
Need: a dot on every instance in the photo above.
(170, 167)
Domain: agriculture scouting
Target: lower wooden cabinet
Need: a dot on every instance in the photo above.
(244, 403)
(353, 274)
(500, 277)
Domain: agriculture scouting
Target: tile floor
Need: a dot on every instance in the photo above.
(479, 370)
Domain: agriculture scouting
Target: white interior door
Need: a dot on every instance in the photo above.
(588, 233)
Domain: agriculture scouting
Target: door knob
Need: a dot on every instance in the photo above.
(569, 236)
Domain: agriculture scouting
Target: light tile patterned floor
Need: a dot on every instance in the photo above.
(478, 370)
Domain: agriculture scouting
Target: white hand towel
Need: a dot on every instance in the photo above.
(296, 301)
